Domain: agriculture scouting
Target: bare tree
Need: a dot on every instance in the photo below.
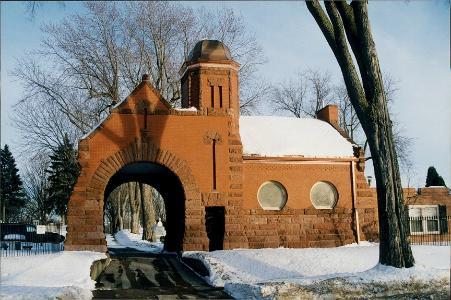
(32, 7)
(320, 90)
(351, 124)
(45, 125)
(159, 205)
(349, 23)
(347, 118)
(148, 211)
(303, 96)
(90, 61)
(38, 205)
(110, 216)
(291, 96)
(135, 205)
(115, 207)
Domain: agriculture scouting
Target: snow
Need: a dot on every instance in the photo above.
(248, 273)
(62, 275)
(192, 108)
(283, 136)
(124, 238)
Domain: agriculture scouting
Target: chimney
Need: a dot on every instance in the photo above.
(329, 114)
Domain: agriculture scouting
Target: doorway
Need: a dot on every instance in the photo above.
(215, 226)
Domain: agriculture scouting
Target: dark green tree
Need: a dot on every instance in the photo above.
(12, 196)
(433, 179)
(63, 173)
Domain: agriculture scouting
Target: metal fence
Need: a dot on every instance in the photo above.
(430, 230)
(18, 239)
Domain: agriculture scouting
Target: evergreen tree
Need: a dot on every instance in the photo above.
(433, 179)
(63, 174)
(12, 196)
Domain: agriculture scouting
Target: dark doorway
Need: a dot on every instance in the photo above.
(215, 226)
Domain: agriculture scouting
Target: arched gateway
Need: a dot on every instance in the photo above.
(228, 181)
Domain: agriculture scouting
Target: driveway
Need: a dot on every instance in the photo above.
(134, 274)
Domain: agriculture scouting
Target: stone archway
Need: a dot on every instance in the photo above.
(85, 208)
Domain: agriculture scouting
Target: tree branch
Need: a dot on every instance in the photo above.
(344, 58)
(323, 22)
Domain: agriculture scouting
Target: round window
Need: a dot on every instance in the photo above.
(272, 195)
(323, 195)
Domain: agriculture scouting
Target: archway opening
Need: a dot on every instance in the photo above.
(137, 183)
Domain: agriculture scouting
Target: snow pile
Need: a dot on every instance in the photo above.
(247, 273)
(284, 136)
(124, 238)
(112, 242)
(63, 275)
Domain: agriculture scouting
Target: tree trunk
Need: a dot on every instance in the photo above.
(394, 247)
(118, 220)
(148, 213)
(368, 98)
(133, 192)
(123, 205)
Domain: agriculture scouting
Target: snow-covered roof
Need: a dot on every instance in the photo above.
(285, 136)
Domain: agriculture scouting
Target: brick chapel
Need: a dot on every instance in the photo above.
(228, 181)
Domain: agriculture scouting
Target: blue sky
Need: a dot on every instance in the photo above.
(412, 40)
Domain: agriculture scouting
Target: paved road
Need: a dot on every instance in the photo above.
(134, 274)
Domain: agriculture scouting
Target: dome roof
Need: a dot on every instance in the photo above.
(209, 50)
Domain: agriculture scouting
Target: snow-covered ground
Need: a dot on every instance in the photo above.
(125, 238)
(350, 271)
(62, 275)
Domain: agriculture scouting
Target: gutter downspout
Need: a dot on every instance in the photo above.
(354, 197)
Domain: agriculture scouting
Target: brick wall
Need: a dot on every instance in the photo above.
(429, 196)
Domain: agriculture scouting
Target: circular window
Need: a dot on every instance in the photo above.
(272, 195)
(323, 195)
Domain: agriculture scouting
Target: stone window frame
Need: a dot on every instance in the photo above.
(337, 195)
(285, 192)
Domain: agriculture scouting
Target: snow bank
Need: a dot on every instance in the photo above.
(63, 275)
(248, 273)
(125, 238)
(282, 136)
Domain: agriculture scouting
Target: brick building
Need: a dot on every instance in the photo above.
(429, 213)
(228, 181)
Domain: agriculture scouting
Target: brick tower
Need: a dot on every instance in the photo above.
(210, 78)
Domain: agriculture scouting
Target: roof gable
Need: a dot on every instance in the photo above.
(144, 96)
(143, 99)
